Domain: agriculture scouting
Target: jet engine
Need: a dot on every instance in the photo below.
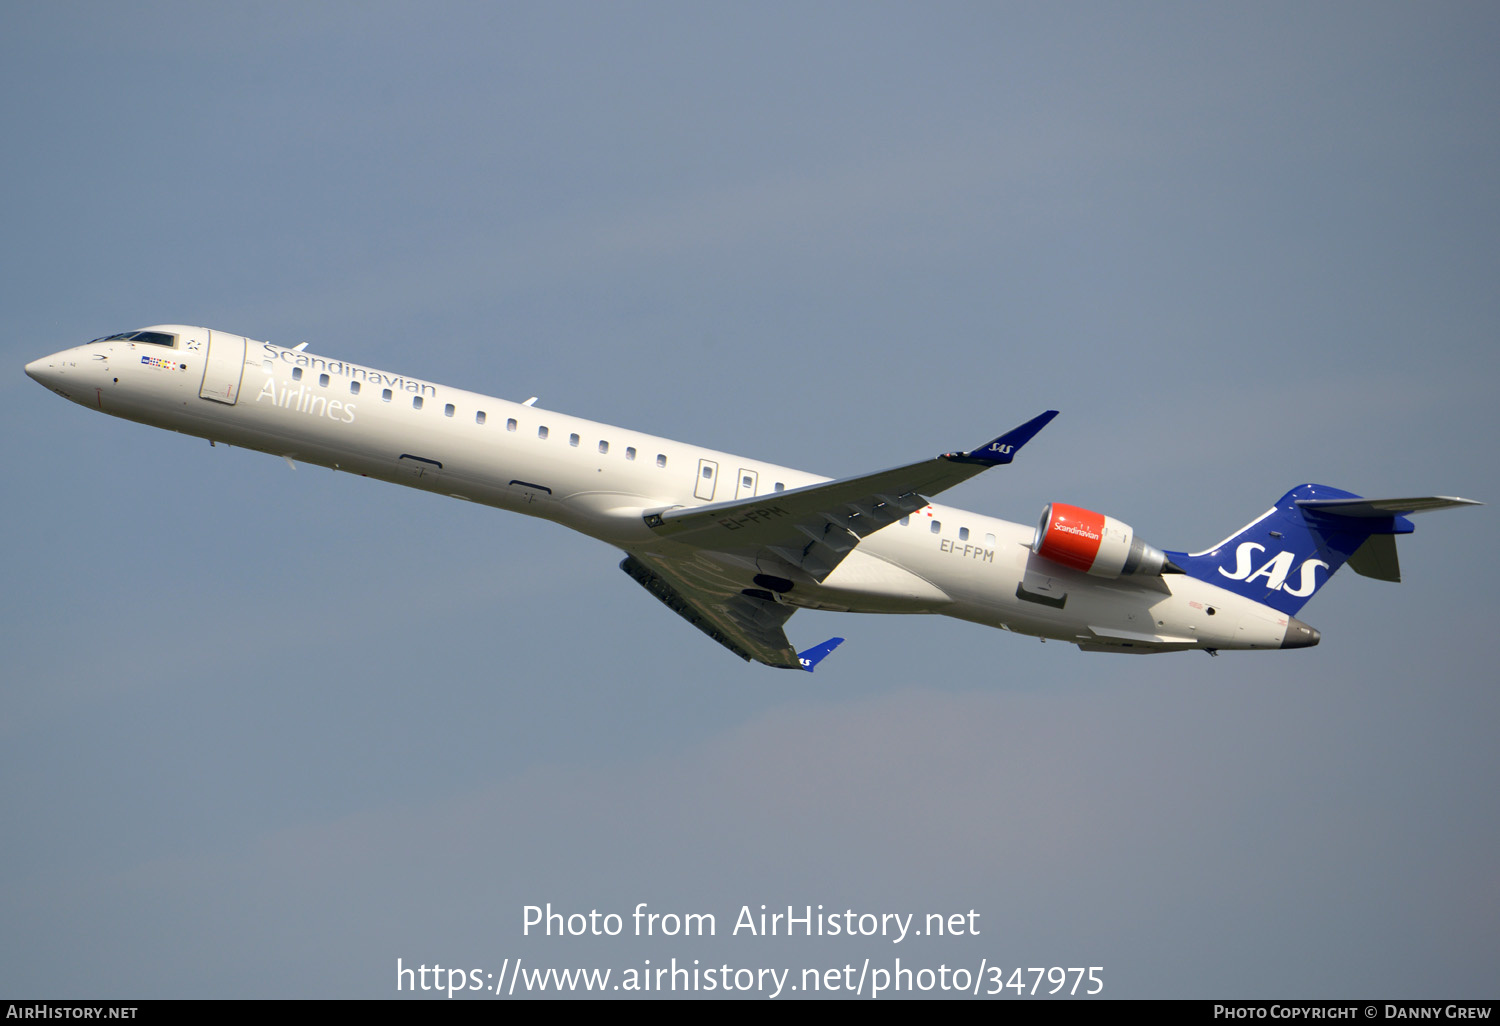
(1096, 544)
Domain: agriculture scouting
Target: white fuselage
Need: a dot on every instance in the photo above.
(601, 480)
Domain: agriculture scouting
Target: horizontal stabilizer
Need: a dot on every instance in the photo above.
(1377, 558)
(1357, 507)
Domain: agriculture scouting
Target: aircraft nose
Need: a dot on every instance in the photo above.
(1299, 635)
(51, 371)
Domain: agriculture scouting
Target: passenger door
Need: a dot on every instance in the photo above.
(223, 366)
(708, 472)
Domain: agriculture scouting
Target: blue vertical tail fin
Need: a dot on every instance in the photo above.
(1285, 555)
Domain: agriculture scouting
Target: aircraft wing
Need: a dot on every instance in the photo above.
(747, 625)
(815, 527)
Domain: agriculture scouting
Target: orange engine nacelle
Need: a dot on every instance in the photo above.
(1094, 543)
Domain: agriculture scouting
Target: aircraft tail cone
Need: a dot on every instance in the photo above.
(1299, 634)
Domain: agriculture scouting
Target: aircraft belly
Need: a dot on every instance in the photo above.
(867, 583)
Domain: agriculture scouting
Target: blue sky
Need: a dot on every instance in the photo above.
(265, 731)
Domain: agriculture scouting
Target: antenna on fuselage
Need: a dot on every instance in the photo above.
(299, 347)
(531, 401)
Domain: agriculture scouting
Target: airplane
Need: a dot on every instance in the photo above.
(735, 546)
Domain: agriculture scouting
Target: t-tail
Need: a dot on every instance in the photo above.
(1282, 557)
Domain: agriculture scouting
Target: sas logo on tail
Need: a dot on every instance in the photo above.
(1274, 570)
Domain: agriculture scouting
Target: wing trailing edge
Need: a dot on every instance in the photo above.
(747, 625)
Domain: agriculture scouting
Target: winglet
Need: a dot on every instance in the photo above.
(813, 656)
(1004, 448)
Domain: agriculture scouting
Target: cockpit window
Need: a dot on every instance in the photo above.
(155, 338)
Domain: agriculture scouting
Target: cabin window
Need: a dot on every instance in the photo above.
(780, 487)
(322, 380)
(905, 520)
(603, 448)
(479, 417)
(747, 481)
(708, 472)
(573, 440)
(510, 424)
(296, 373)
(989, 540)
(937, 527)
(541, 432)
(630, 452)
(661, 460)
(416, 402)
(963, 534)
(385, 395)
(354, 388)
(448, 410)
